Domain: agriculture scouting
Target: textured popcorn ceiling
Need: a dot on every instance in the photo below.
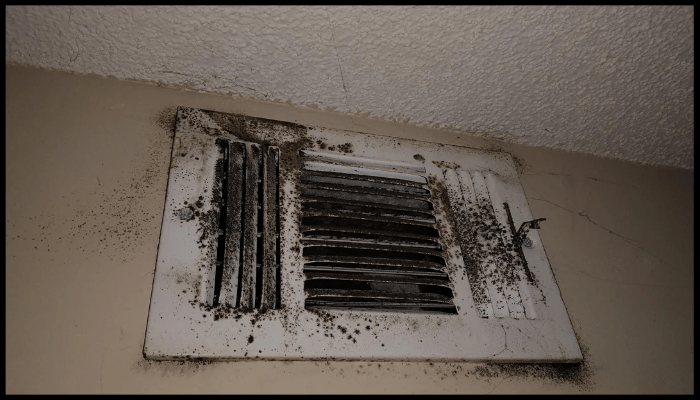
(611, 81)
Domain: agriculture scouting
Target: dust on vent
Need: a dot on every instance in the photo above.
(281, 241)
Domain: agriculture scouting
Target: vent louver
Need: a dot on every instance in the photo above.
(369, 236)
(247, 244)
(497, 271)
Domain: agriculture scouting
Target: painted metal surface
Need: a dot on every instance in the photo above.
(182, 323)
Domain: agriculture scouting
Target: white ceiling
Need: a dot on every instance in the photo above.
(609, 81)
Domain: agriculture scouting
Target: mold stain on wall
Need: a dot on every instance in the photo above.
(125, 219)
(580, 376)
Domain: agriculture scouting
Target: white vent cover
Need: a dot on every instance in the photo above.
(281, 241)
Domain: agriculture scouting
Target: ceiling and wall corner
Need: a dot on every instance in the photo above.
(608, 81)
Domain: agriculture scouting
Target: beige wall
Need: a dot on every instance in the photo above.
(87, 164)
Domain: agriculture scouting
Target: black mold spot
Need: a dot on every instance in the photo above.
(166, 119)
(345, 148)
(577, 374)
(520, 165)
(443, 164)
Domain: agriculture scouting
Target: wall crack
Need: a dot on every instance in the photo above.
(505, 341)
(628, 240)
(583, 214)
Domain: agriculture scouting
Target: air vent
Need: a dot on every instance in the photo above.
(281, 241)
(369, 236)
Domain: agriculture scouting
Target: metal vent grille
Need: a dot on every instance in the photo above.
(497, 270)
(369, 236)
(247, 245)
(417, 239)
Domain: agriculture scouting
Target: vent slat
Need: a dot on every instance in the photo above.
(211, 280)
(320, 180)
(353, 170)
(477, 279)
(376, 294)
(486, 193)
(315, 229)
(356, 304)
(312, 207)
(346, 202)
(390, 267)
(270, 234)
(375, 258)
(364, 190)
(371, 260)
(250, 216)
(232, 260)
(377, 252)
(363, 178)
(377, 272)
(373, 277)
(363, 198)
(480, 220)
(368, 162)
(367, 226)
(372, 285)
(366, 239)
(365, 216)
